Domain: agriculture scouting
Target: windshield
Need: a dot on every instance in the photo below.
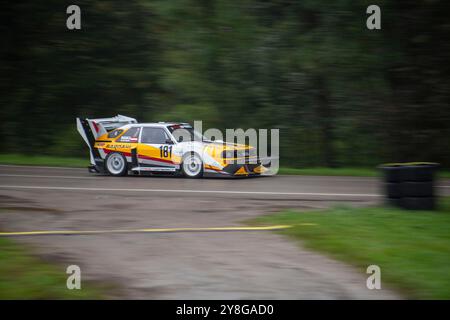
(186, 132)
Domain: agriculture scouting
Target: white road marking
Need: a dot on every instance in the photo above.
(93, 177)
(346, 178)
(194, 191)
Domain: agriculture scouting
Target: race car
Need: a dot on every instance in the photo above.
(120, 145)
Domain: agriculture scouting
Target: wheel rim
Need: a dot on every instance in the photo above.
(116, 164)
(192, 165)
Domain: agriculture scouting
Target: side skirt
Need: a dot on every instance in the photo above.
(154, 169)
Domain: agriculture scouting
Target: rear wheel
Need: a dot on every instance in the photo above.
(192, 166)
(116, 164)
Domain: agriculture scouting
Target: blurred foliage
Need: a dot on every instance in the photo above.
(341, 94)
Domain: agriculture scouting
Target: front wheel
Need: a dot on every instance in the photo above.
(116, 164)
(192, 166)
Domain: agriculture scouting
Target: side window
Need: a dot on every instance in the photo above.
(131, 135)
(154, 136)
(115, 133)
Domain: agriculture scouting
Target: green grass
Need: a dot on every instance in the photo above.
(412, 248)
(354, 172)
(19, 159)
(24, 276)
(321, 171)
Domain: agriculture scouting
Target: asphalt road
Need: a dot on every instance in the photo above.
(213, 265)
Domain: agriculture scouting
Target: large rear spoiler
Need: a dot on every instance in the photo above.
(91, 129)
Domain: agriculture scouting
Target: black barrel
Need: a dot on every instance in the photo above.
(410, 185)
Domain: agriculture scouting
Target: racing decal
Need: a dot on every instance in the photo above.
(209, 167)
(131, 135)
(117, 146)
(125, 149)
(241, 171)
(155, 163)
(140, 157)
(165, 151)
(128, 139)
(95, 126)
(162, 153)
(216, 172)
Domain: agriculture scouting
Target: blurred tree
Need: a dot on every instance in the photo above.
(341, 94)
(52, 74)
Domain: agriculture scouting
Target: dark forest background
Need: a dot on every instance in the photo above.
(341, 94)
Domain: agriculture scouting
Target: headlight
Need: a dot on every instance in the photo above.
(228, 154)
(240, 153)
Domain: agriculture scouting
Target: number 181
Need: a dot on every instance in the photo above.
(165, 151)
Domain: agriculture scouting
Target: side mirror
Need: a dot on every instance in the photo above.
(180, 139)
(169, 141)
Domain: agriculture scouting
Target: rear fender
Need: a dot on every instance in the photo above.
(91, 129)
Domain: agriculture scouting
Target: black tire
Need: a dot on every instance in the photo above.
(394, 202)
(394, 189)
(417, 189)
(394, 174)
(116, 164)
(419, 173)
(191, 168)
(425, 203)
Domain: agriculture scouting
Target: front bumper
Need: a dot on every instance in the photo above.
(242, 169)
(248, 168)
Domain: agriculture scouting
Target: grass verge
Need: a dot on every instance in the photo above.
(353, 172)
(411, 248)
(19, 159)
(321, 171)
(24, 276)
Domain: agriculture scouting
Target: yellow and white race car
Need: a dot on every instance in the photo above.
(120, 145)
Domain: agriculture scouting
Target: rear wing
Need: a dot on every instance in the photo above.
(91, 129)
